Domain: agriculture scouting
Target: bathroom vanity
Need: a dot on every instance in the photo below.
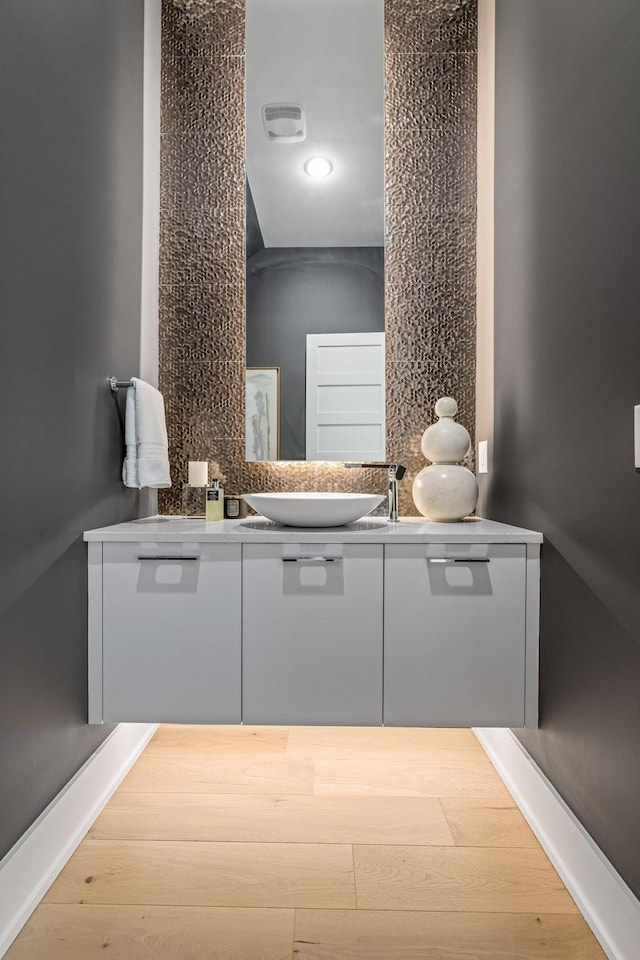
(412, 623)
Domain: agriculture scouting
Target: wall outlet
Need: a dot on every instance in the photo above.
(483, 455)
(636, 435)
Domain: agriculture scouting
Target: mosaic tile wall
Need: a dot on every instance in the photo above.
(430, 130)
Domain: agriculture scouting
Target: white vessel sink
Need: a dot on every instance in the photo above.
(313, 509)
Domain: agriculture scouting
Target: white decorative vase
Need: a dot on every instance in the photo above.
(445, 491)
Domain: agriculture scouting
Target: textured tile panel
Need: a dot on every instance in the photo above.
(196, 160)
(430, 130)
(190, 24)
(435, 332)
(413, 26)
(201, 244)
(199, 92)
(200, 322)
(431, 221)
(202, 398)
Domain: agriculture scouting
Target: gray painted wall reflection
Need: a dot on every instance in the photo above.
(294, 292)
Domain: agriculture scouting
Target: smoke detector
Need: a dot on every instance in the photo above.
(284, 122)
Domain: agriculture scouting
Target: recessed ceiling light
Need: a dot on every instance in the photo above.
(318, 167)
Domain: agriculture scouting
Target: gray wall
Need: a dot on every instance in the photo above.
(253, 234)
(70, 240)
(567, 376)
(295, 291)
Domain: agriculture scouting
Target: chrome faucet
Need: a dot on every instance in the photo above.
(396, 472)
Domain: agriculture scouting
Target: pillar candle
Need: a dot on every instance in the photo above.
(198, 473)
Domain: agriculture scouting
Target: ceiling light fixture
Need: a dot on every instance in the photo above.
(318, 167)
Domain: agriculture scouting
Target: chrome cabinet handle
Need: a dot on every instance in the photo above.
(312, 559)
(458, 560)
(168, 557)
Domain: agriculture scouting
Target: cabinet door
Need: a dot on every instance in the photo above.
(312, 633)
(455, 635)
(171, 632)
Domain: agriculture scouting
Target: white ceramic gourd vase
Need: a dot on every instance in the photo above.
(445, 491)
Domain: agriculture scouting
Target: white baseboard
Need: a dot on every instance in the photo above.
(604, 899)
(31, 866)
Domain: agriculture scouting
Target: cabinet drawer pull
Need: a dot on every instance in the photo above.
(312, 559)
(165, 556)
(458, 560)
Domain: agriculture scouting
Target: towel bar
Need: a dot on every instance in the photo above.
(114, 383)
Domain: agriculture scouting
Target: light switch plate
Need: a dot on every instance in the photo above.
(636, 435)
(483, 453)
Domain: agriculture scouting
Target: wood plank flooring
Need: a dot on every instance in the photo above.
(264, 843)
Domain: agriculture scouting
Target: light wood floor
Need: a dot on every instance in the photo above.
(264, 843)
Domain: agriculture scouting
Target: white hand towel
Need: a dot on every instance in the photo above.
(146, 462)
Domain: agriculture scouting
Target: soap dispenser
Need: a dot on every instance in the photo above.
(215, 501)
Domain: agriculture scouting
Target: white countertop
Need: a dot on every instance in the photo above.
(259, 530)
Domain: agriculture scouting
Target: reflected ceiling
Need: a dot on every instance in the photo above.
(328, 57)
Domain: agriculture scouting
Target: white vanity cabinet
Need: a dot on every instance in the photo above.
(455, 635)
(312, 633)
(408, 624)
(171, 645)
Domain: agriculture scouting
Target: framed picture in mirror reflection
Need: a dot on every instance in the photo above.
(262, 406)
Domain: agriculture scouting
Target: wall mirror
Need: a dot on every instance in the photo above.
(315, 384)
